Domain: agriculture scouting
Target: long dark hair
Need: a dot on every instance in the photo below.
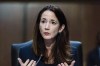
(61, 51)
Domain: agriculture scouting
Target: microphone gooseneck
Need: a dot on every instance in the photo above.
(39, 59)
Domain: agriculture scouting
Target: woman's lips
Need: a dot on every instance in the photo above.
(46, 33)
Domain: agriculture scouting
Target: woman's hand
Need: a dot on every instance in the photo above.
(27, 62)
(65, 64)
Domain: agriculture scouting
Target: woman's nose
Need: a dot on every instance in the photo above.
(47, 26)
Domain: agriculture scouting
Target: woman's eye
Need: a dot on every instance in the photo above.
(42, 21)
(54, 23)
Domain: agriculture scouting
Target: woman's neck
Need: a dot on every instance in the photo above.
(49, 44)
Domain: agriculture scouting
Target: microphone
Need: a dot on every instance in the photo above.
(39, 59)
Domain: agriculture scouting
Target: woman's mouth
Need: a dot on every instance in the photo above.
(46, 33)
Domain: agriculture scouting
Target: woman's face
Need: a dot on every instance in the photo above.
(49, 25)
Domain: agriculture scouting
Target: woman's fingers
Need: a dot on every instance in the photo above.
(30, 63)
(62, 64)
(65, 64)
(34, 63)
(20, 61)
(58, 65)
(72, 63)
(27, 62)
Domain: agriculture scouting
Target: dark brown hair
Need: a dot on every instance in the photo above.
(61, 50)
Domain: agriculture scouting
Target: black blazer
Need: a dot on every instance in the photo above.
(93, 58)
(24, 51)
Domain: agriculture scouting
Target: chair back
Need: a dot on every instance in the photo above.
(76, 47)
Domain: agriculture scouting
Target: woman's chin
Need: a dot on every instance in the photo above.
(47, 38)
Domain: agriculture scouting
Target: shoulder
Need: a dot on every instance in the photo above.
(26, 52)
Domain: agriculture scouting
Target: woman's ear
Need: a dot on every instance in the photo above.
(61, 28)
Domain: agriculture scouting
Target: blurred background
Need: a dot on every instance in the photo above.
(17, 21)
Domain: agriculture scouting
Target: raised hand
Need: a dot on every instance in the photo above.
(27, 62)
(65, 64)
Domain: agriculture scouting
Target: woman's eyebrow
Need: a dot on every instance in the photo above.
(43, 18)
(53, 20)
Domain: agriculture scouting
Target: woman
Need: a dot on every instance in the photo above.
(51, 39)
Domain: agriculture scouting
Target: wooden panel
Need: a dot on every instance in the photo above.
(11, 18)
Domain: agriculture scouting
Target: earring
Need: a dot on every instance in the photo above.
(59, 32)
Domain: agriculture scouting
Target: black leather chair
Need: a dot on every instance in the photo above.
(75, 45)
